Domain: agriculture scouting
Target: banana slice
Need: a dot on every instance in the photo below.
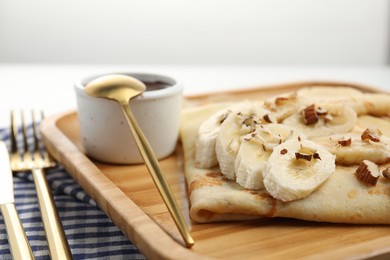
(323, 120)
(297, 168)
(342, 95)
(250, 164)
(351, 149)
(255, 149)
(205, 156)
(282, 106)
(376, 104)
(233, 127)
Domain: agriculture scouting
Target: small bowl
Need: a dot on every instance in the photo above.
(105, 134)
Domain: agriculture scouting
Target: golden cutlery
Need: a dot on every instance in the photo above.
(37, 161)
(19, 245)
(122, 88)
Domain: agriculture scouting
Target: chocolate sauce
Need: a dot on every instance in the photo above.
(156, 85)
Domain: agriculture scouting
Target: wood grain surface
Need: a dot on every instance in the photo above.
(128, 196)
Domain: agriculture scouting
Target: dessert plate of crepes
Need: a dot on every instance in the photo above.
(317, 153)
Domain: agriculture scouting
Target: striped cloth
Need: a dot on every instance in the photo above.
(90, 233)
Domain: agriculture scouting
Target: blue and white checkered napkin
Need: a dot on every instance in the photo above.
(90, 233)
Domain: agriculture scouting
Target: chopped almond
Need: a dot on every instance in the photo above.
(321, 111)
(223, 117)
(287, 99)
(249, 136)
(269, 118)
(280, 101)
(283, 151)
(345, 142)
(269, 146)
(316, 156)
(303, 156)
(328, 118)
(368, 173)
(372, 134)
(310, 115)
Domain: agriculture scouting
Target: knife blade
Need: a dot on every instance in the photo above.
(6, 183)
(17, 239)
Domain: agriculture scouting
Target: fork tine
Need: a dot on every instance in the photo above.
(27, 155)
(13, 133)
(24, 132)
(35, 134)
(45, 155)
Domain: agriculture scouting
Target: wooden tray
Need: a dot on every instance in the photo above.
(128, 196)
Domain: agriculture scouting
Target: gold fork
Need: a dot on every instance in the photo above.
(36, 161)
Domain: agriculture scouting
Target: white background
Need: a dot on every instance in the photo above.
(229, 32)
(211, 45)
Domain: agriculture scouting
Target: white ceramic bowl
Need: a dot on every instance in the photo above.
(105, 134)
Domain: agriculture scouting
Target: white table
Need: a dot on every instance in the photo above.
(50, 87)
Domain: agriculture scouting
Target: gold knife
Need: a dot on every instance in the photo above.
(19, 245)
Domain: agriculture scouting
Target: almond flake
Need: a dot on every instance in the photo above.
(310, 115)
(368, 173)
(223, 117)
(269, 146)
(287, 99)
(345, 142)
(279, 101)
(321, 111)
(328, 118)
(269, 118)
(247, 138)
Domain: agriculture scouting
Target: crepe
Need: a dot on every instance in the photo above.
(340, 199)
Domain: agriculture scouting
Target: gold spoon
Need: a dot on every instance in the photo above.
(122, 88)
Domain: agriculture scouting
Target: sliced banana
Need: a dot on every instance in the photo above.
(205, 155)
(233, 127)
(351, 149)
(255, 149)
(287, 178)
(250, 164)
(332, 118)
(282, 106)
(376, 104)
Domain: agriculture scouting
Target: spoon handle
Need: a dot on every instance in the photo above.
(157, 175)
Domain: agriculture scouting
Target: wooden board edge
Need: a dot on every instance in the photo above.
(377, 249)
(144, 233)
(287, 87)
